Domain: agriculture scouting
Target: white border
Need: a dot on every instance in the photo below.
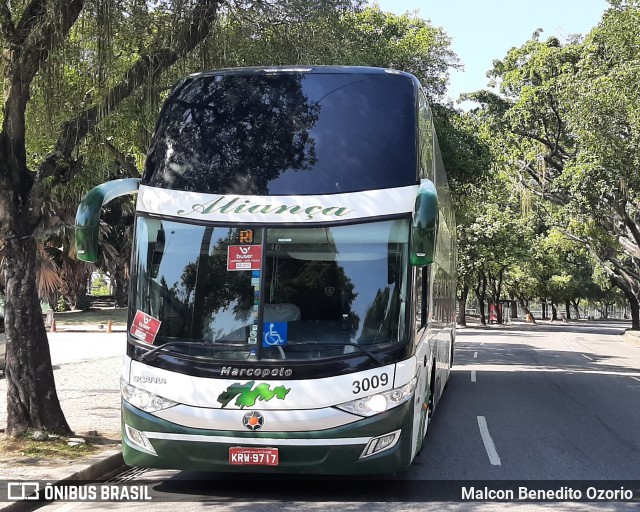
(276, 209)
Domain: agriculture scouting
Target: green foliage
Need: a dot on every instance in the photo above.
(62, 305)
(464, 145)
(405, 42)
(99, 286)
(568, 119)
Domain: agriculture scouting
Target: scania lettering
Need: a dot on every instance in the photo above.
(293, 273)
(149, 379)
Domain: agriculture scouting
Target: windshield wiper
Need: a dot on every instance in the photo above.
(170, 344)
(342, 344)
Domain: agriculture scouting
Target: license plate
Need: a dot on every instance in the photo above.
(253, 456)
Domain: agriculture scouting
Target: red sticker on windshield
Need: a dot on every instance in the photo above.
(145, 327)
(244, 257)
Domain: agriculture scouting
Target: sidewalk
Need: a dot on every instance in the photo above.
(632, 337)
(89, 394)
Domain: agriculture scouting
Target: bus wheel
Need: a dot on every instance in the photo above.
(453, 350)
(431, 402)
(451, 355)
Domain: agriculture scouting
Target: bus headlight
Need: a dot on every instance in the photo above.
(380, 402)
(144, 400)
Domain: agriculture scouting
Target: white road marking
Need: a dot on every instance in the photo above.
(488, 442)
(636, 378)
(516, 367)
(475, 355)
(67, 507)
(586, 357)
(473, 375)
(572, 347)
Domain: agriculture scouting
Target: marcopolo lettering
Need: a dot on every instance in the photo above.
(237, 205)
(231, 371)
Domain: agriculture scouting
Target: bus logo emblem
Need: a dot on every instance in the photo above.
(253, 420)
(246, 395)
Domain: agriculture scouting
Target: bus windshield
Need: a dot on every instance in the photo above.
(286, 134)
(273, 293)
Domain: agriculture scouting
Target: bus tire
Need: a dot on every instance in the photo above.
(431, 403)
(453, 350)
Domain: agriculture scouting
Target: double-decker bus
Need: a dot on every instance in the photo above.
(293, 273)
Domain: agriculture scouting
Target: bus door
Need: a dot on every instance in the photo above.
(424, 356)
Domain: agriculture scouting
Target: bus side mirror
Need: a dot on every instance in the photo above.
(424, 227)
(87, 242)
(88, 214)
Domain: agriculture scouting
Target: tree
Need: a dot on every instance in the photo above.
(405, 42)
(467, 158)
(342, 36)
(572, 114)
(493, 235)
(31, 33)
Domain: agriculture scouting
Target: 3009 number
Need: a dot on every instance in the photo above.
(368, 383)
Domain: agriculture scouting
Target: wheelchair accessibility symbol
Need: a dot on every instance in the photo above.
(274, 334)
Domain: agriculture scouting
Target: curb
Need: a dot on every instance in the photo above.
(100, 468)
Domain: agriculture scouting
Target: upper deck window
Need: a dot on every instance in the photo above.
(286, 134)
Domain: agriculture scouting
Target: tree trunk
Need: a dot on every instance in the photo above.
(481, 291)
(498, 304)
(634, 305)
(120, 289)
(544, 310)
(75, 276)
(120, 283)
(32, 400)
(576, 309)
(527, 312)
(462, 306)
(554, 311)
(567, 309)
(514, 307)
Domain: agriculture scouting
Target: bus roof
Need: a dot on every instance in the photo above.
(265, 70)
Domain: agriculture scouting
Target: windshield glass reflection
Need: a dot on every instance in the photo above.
(285, 133)
(340, 285)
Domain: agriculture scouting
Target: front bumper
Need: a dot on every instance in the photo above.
(335, 451)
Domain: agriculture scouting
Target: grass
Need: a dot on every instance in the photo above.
(92, 318)
(52, 448)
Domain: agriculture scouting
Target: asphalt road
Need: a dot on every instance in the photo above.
(525, 403)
